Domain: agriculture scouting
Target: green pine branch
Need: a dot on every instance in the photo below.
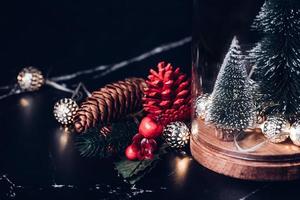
(94, 144)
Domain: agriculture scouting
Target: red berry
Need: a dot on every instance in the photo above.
(131, 153)
(140, 156)
(137, 138)
(145, 154)
(148, 155)
(135, 147)
(150, 128)
(149, 144)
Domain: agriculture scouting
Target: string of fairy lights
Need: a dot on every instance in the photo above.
(276, 129)
(31, 79)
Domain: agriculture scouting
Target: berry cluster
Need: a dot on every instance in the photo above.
(141, 148)
(143, 143)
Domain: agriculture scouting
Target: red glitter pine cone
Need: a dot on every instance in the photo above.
(168, 95)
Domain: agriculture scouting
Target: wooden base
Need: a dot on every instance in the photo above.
(272, 162)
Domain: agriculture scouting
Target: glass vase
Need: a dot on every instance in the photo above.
(246, 88)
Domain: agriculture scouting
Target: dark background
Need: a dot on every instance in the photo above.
(62, 37)
(68, 35)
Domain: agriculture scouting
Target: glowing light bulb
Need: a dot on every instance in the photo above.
(30, 79)
(62, 110)
(27, 79)
(295, 133)
(65, 110)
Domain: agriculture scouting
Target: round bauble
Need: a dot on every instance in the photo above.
(149, 128)
(295, 133)
(176, 135)
(131, 153)
(201, 105)
(30, 79)
(276, 129)
(65, 110)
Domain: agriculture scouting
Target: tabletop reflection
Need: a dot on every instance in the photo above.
(181, 165)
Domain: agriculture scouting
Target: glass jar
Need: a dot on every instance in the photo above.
(246, 87)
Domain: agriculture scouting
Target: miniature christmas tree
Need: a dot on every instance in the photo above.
(276, 57)
(232, 104)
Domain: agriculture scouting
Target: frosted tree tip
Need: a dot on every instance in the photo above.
(235, 43)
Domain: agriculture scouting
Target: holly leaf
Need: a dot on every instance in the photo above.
(133, 171)
(135, 178)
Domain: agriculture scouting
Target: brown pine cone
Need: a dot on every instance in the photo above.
(110, 103)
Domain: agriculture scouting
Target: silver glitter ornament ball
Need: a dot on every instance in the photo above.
(65, 110)
(295, 133)
(276, 129)
(30, 79)
(176, 135)
(201, 105)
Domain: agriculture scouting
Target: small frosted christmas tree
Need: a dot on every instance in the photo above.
(276, 57)
(232, 104)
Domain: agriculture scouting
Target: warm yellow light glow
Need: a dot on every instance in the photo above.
(24, 102)
(66, 129)
(181, 166)
(291, 148)
(181, 169)
(195, 128)
(63, 136)
(63, 140)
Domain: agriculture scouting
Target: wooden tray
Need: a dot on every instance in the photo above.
(271, 162)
